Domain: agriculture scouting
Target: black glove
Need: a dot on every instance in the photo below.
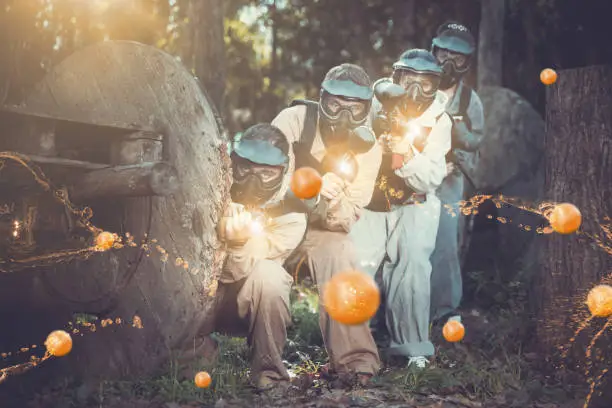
(453, 156)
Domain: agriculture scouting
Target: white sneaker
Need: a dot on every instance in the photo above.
(419, 362)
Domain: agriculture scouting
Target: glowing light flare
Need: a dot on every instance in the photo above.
(258, 226)
(344, 167)
(256, 219)
(413, 131)
(16, 228)
(100, 6)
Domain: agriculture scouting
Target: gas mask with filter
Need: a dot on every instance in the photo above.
(343, 107)
(418, 72)
(454, 67)
(420, 90)
(259, 169)
(453, 48)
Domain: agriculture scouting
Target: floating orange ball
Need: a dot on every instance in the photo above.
(58, 343)
(565, 218)
(306, 183)
(105, 241)
(453, 331)
(202, 379)
(599, 301)
(351, 297)
(548, 76)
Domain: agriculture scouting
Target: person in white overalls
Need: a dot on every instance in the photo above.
(396, 234)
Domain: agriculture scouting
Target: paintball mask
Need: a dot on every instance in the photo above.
(418, 72)
(420, 89)
(259, 169)
(343, 106)
(453, 48)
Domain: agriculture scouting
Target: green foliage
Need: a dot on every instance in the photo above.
(305, 312)
(229, 379)
(470, 372)
(246, 80)
(307, 37)
(43, 32)
(489, 365)
(304, 350)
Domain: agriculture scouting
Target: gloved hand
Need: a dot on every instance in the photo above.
(451, 156)
(235, 225)
(333, 186)
(400, 145)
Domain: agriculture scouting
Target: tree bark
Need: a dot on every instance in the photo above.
(207, 46)
(578, 159)
(138, 180)
(406, 24)
(490, 42)
(6, 60)
(170, 282)
(272, 10)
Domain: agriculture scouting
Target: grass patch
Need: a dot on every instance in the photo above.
(230, 372)
(487, 364)
(458, 369)
(229, 379)
(304, 351)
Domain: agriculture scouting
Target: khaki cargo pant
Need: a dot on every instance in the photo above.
(257, 307)
(351, 349)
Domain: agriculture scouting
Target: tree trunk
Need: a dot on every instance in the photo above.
(5, 53)
(490, 42)
(578, 158)
(273, 13)
(170, 282)
(139, 180)
(207, 46)
(406, 24)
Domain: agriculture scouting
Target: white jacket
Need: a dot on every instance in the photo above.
(426, 170)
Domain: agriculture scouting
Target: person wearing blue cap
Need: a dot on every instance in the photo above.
(396, 235)
(261, 226)
(454, 48)
(336, 126)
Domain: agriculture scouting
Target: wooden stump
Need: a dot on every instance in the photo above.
(146, 92)
(578, 158)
